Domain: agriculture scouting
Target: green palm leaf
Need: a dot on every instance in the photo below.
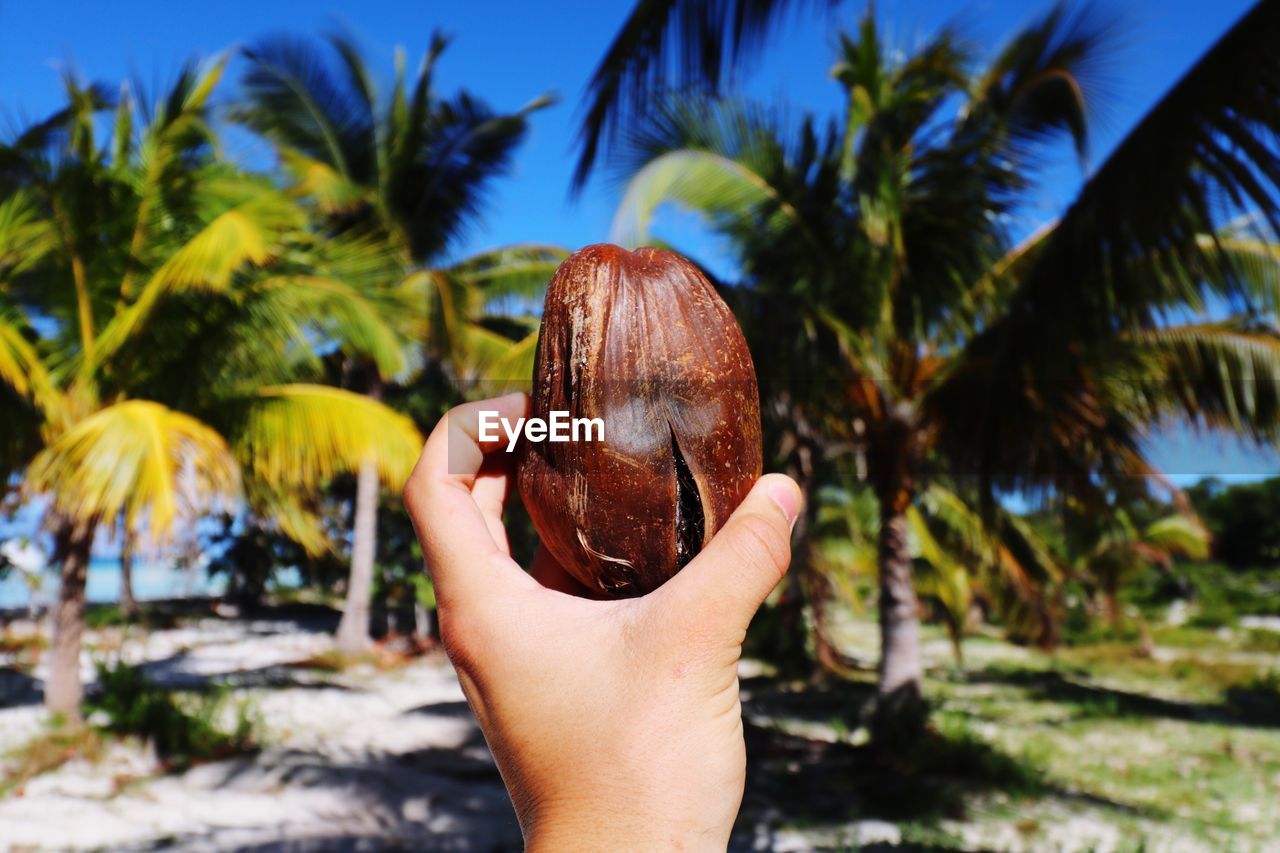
(1179, 535)
(337, 311)
(250, 233)
(1223, 375)
(519, 272)
(712, 184)
(711, 36)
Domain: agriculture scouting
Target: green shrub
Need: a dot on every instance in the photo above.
(183, 732)
(1213, 614)
(1264, 684)
(110, 616)
(1260, 640)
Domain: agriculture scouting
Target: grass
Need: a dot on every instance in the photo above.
(333, 660)
(22, 644)
(1115, 744)
(1219, 593)
(185, 729)
(150, 616)
(48, 751)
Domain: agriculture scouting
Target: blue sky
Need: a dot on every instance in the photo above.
(509, 51)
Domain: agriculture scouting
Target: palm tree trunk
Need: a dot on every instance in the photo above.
(1111, 604)
(353, 630)
(900, 711)
(424, 629)
(128, 604)
(62, 692)
(792, 638)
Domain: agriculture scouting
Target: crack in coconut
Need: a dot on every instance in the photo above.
(690, 517)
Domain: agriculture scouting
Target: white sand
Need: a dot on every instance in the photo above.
(371, 760)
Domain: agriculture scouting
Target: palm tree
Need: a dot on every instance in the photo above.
(1106, 550)
(917, 331)
(149, 326)
(412, 169)
(712, 38)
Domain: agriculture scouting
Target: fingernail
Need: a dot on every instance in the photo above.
(787, 499)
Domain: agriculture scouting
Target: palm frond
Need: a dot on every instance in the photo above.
(1005, 557)
(301, 436)
(340, 314)
(510, 272)
(1047, 79)
(1220, 375)
(498, 362)
(1179, 535)
(1206, 151)
(23, 371)
(292, 515)
(294, 98)
(138, 459)
(709, 183)
(333, 193)
(709, 36)
(26, 235)
(249, 234)
(434, 192)
(938, 574)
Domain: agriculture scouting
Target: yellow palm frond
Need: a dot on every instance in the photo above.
(299, 436)
(244, 235)
(292, 515)
(138, 458)
(442, 305)
(22, 370)
(938, 573)
(332, 193)
(1179, 535)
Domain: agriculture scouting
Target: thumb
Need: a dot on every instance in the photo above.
(726, 583)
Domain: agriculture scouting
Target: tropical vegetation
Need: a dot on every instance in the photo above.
(162, 312)
(963, 390)
(407, 171)
(916, 319)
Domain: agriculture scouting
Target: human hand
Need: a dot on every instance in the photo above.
(615, 724)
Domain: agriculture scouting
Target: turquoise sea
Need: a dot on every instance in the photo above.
(151, 580)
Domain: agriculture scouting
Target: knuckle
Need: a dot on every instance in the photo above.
(761, 541)
(412, 493)
(459, 637)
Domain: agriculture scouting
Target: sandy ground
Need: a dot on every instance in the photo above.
(363, 760)
(375, 759)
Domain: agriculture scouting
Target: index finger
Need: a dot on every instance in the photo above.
(449, 504)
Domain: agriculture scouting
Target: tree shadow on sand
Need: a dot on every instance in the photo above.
(435, 799)
(800, 775)
(172, 672)
(18, 688)
(1241, 707)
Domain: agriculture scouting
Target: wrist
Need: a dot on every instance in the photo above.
(618, 823)
(620, 833)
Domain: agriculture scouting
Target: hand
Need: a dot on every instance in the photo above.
(615, 724)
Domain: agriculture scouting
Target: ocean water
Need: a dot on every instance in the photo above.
(151, 580)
